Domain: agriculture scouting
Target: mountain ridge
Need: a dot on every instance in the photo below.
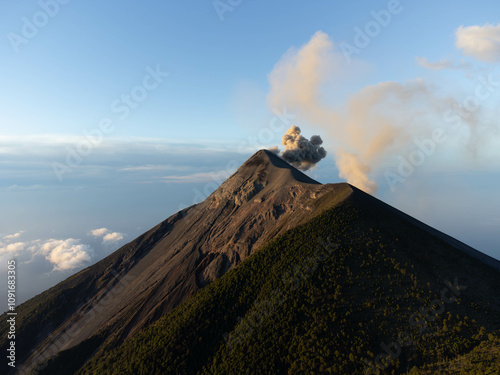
(485, 258)
(264, 197)
(291, 309)
(149, 277)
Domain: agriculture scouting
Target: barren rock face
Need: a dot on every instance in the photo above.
(146, 278)
(139, 283)
(247, 192)
(215, 268)
(264, 197)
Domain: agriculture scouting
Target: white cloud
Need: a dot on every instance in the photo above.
(12, 249)
(99, 232)
(13, 236)
(149, 167)
(108, 237)
(63, 254)
(480, 42)
(441, 64)
(66, 254)
(381, 123)
(137, 160)
(35, 187)
(112, 237)
(216, 176)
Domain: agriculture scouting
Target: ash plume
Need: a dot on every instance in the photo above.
(378, 124)
(274, 150)
(301, 152)
(354, 171)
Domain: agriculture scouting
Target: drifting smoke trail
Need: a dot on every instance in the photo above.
(353, 171)
(301, 152)
(378, 123)
(295, 82)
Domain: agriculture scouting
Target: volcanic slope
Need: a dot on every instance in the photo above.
(287, 308)
(360, 288)
(118, 296)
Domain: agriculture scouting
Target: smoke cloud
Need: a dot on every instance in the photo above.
(301, 152)
(353, 171)
(378, 123)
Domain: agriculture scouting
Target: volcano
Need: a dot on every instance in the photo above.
(117, 303)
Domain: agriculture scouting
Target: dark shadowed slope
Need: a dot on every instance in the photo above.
(109, 303)
(378, 207)
(332, 296)
(149, 276)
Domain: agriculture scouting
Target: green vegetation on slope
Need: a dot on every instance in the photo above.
(482, 360)
(331, 296)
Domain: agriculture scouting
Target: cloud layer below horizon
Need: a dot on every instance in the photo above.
(62, 254)
(65, 254)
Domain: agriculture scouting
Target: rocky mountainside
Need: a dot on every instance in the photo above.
(134, 311)
(360, 288)
(148, 277)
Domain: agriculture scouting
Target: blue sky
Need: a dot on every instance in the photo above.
(208, 108)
